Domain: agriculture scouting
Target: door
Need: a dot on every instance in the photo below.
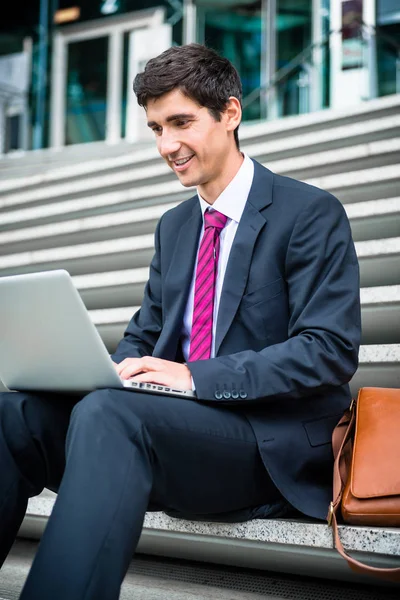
(92, 70)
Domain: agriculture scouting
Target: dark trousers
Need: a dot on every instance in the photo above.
(111, 456)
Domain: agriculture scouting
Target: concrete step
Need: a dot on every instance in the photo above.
(361, 185)
(379, 259)
(304, 167)
(147, 579)
(97, 204)
(112, 306)
(324, 120)
(341, 160)
(340, 136)
(300, 546)
(366, 140)
(360, 124)
(369, 220)
(380, 312)
(379, 366)
(374, 219)
(81, 254)
(34, 162)
(157, 578)
(96, 228)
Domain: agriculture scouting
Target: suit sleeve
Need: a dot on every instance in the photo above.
(144, 328)
(324, 329)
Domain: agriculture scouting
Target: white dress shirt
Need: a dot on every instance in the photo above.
(231, 203)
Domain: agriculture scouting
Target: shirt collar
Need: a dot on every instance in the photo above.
(233, 198)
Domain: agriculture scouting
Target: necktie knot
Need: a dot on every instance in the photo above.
(213, 218)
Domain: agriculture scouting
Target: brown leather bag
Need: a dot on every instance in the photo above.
(366, 476)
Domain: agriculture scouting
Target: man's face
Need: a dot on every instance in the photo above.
(193, 144)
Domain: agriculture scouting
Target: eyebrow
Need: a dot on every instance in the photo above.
(176, 117)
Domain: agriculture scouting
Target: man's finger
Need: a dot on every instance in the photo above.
(159, 377)
(130, 370)
(128, 363)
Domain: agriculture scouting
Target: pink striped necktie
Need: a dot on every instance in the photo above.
(204, 289)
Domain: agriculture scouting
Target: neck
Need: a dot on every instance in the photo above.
(210, 191)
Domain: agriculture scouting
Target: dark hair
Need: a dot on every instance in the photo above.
(199, 72)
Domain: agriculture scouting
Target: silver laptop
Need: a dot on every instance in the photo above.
(49, 343)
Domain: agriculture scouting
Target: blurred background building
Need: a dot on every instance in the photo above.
(66, 66)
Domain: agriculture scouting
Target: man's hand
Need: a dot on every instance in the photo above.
(155, 370)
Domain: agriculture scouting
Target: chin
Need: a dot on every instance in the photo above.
(188, 181)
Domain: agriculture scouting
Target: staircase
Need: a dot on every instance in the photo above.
(92, 210)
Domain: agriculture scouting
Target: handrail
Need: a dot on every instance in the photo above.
(388, 38)
(285, 71)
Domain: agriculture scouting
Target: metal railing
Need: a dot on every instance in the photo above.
(301, 73)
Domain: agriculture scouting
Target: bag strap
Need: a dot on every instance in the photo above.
(342, 446)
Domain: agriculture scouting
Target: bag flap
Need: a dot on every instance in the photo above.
(375, 467)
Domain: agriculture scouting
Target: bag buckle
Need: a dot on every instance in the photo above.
(330, 514)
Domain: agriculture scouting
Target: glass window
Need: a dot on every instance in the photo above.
(235, 30)
(86, 91)
(388, 46)
(293, 35)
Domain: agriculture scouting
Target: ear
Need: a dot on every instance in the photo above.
(232, 113)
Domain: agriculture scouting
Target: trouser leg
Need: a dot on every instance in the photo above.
(32, 442)
(98, 514)
(124, 452)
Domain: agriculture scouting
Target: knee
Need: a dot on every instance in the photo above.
(106, 410)
(93, 405)
(99, 408)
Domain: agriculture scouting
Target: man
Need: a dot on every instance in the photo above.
(253, 301)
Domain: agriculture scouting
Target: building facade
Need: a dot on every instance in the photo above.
(66, 66)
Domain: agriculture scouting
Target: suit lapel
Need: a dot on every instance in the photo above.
(237, 271)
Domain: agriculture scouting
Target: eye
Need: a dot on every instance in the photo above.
(157, 130)
(182, 122)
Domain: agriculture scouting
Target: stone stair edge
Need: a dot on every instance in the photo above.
(247, 130)
(135, 158)
(123, 313)
(87, 281)
(325, 115)
(337, 181)
(112, 317)
(297, 532)
(283, 166)
(365, 249)
(321, 137)
(384, 296)
(360, 210)
(369, 296)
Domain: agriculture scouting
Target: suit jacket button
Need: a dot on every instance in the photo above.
(235, 394)
(218, 395)
(242, 394)
(227, 394)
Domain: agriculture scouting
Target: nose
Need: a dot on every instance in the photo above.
(167, 144)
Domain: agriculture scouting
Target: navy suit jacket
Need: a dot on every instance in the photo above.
(288, 328)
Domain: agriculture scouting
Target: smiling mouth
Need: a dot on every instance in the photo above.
(182, 162)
